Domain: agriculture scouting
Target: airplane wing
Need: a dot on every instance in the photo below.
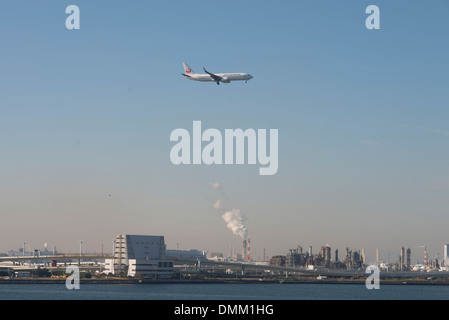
(216, 78)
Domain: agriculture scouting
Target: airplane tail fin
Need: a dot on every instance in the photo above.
(187, 69)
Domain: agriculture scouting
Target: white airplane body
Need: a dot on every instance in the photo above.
(214, 77)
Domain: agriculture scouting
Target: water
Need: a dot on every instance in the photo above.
(221, 292)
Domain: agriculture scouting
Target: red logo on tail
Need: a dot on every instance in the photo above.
(188, 70)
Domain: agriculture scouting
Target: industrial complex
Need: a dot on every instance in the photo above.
(137, 255)
(146, 257)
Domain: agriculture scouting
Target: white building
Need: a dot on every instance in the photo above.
(139, 255)
(191, 254)
(446, 255)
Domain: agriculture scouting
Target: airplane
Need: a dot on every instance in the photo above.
(217, 77)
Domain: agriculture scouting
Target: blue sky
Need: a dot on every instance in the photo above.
(362, 118)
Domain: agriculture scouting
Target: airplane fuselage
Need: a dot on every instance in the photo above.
(226, 77)
(214, 77)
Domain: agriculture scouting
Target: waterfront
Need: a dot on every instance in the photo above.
(222, 292)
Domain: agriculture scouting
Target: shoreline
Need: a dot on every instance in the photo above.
(222, 281)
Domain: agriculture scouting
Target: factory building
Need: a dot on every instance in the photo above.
(353, 259)
(294, 258)
(325, 255)
(405, 259)
(191, 254)
(277, 261)
(408, 259)
(446, 255)
(402, 259)
(139, 255)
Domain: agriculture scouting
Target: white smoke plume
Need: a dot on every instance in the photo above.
(233, 218)
(218, 204)
(215, 185)
(234, 221)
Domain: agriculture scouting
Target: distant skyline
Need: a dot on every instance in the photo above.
(86, 117)
(418, 252)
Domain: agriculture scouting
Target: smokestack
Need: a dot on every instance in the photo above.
(425, 256)
(248, 257)
(244, 249)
